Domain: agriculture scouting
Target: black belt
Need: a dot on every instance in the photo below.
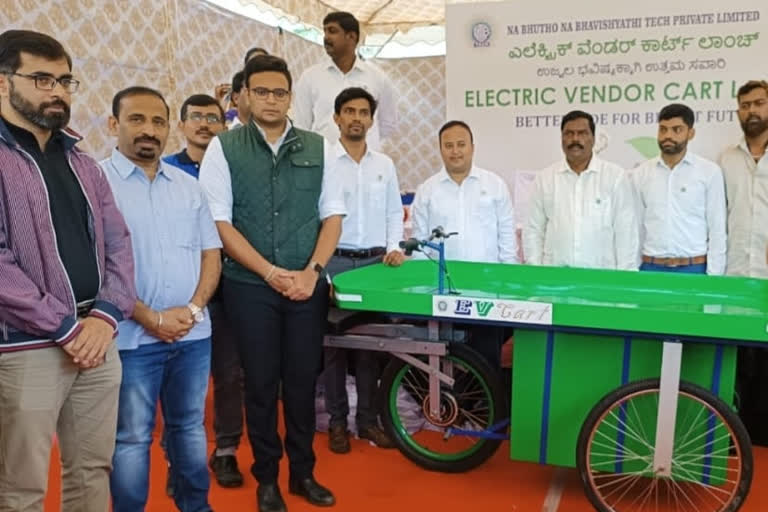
(361, 253)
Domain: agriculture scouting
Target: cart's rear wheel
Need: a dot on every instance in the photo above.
(474, 403)
(711, 460)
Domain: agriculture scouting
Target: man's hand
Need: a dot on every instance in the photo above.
(90, 346)
(177, 322)
(394, 258)
(220, 92)
(280, 280)
(304, 282)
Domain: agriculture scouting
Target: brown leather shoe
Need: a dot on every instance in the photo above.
(338, 439)
(376, 435)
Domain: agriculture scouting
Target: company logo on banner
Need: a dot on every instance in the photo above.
(481, 34)
(500, 310)
(620, 61)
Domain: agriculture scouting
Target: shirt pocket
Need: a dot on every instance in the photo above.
(598, 211)
(690, 197)
(185, 228)
(484, 207)
(376, 194)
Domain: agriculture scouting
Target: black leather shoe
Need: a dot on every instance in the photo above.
(225, 470)
(269, 498)
(312, 491)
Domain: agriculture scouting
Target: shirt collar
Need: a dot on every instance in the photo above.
(340, 151)
(11, 132)
(183, 157)
(279, 142)
(592, 167)
(744, 147)
(444, 176)
(358, 65)
(687, 160)
(125, 167)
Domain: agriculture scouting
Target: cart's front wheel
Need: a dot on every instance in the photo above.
(711, 467)
(449, 442)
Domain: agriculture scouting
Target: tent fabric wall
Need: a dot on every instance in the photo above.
(184, 47)
(375, 16)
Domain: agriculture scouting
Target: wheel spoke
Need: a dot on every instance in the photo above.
(706, 475)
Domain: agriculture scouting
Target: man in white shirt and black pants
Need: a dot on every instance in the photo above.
(682, 202)
(370, 234)
(319, 85)
(745, 170)
(582, 213)
(475, 203)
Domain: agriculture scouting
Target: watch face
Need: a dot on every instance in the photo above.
(199, 316)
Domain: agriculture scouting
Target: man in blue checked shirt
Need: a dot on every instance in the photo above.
(165, 348)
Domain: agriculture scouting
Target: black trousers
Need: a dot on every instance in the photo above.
(227, 379)
(487, 341)
(278, 340)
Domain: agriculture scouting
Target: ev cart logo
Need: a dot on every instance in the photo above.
(498, 310)
(481, 34)
(464, 307)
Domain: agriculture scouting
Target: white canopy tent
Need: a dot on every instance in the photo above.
(391, 28)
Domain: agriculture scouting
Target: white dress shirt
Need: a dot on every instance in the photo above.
(316, 91)
(372, 197)
(582, 220)
(479, 209)
(746, 187)
(682, 210)
(216, 180)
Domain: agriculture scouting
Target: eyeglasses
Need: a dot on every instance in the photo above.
(263, 93)
(209, 118)
(48, 82)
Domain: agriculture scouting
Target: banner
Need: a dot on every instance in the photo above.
(513, 69)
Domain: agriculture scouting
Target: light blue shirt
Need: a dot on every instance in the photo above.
(170, 225)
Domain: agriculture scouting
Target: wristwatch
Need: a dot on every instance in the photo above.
(321, 272)
(197, 313)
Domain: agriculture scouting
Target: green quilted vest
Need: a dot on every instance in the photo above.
(275, 198)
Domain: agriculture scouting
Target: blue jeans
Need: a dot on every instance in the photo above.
(177, 375)
(701, 268)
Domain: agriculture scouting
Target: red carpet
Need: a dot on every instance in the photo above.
(369, 479)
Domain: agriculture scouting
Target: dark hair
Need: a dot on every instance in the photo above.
(13, 42)
(354, 93)
(264, 63)
(678, 110)
(451, 124)
(199, 100)
(346, 21)
(578, 114)
(751, 86)
(249, 53)
(136, 90)
(237, 82)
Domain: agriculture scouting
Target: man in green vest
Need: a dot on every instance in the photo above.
(279, 212)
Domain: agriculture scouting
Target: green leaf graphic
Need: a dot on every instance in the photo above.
(646, 146)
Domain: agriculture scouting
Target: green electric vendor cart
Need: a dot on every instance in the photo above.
(627, 376)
